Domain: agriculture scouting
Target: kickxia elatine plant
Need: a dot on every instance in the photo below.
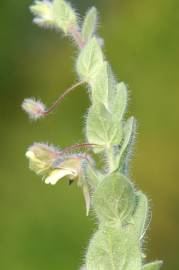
(122, 212)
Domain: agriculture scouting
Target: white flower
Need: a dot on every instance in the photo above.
(53, 164)
(72, 167)
(57, 174)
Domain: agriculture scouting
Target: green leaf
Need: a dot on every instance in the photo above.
(114, 249)
(114, 199)
(89, 60)
(125, 150)
(102, 85)
(102, 128)
(89, 25)
(64, 15)
(141, 215)
(153, 266)
(120, 101)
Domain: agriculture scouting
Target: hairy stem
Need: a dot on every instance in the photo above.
(110, 159)
(76, 35)
(59, 100)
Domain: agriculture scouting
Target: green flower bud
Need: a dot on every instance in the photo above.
(57, 14)
(43, 10)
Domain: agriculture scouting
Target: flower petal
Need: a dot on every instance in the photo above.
(56, 175)
(29, 154)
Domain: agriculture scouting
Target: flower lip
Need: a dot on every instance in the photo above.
(29, 154)
(58, 174)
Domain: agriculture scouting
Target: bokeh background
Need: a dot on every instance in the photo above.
(43, 227)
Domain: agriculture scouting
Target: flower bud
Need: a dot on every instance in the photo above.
(43, 10)
(56, 14)
(34, 108)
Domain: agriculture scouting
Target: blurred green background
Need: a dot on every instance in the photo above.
(43, 227)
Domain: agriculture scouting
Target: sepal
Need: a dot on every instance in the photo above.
(153, 266)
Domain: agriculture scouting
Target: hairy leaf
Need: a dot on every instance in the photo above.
(114, 199)
(141, 215)
(102, 128)
(114, 249)
(64, 15)
(89, 25)
(89, 60)
(120, 101)
(153, 266)
(102, 85)
(125, 149)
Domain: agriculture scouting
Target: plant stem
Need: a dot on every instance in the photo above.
(58, 101)
(77, 37)
(110, 158)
